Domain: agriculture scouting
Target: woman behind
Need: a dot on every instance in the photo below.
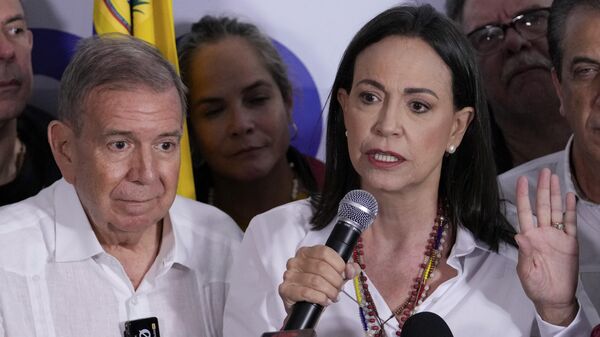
(240, 102)
(410, 126)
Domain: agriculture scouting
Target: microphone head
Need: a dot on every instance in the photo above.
(425, 324)
(359, 208)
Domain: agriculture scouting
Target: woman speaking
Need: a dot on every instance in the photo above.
(409, 125)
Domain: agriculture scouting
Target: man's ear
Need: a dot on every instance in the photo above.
(62, 140)
(461, 121)
(558, 89)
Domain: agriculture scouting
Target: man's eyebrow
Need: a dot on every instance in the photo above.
(584, 59)
(114, 132)
(174, 133)
(532, 7)
(16, 17)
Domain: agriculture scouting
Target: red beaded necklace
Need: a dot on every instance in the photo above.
(372, 323)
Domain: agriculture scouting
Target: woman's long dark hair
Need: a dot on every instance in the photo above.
(468, 179)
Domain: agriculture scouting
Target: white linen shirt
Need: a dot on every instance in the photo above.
(484, 299)
(588, 219)
(57, 281)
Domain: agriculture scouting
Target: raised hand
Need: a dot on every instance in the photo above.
(548, 251)
(316, 275)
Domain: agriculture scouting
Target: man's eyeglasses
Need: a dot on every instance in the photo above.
(531, 24)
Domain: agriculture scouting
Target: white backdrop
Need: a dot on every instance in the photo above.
(315, 32)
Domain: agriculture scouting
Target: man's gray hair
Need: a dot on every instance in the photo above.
(113, 61)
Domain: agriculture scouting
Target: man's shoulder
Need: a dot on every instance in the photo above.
(530, 169)
(202, 219)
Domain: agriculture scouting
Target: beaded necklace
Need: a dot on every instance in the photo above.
(373, 325)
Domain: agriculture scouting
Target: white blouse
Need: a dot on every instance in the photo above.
(484, 299)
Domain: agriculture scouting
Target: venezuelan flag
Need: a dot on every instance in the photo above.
(151, 21)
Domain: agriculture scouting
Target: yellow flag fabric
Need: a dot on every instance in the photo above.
(151, 21)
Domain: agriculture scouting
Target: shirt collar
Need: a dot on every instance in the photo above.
(175, 240)
(466, 244)
(568, 180)
(75, 239)
(563, 170)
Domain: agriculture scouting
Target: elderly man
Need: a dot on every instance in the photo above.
(26, 164)
(574, 39)
(509, 37)
(110, 250)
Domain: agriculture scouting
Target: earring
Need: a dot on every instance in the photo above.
(346, 133)
(451, 149)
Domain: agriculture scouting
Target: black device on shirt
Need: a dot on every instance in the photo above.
(145, 327)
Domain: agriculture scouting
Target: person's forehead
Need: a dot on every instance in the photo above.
(582, 34)
(10, 9)
(143, 105)
(477, 13)
(419, 66)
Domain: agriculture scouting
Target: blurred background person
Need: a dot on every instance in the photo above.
(26, 163)
(510, 40)
(574, 38)
(240, 103)
(410, 126)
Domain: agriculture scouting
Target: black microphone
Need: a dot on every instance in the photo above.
(356, 212)
(425, 324)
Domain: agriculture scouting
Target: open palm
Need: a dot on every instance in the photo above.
(548, 257)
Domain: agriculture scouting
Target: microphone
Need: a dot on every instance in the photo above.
(425, 324)
(356, 212)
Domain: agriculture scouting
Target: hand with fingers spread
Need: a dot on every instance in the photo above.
(316, 275)
(548, 251)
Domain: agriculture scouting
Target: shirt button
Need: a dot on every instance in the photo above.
(134, 300)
